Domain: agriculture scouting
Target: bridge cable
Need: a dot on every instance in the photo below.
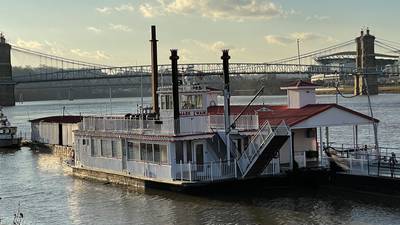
(313, 53)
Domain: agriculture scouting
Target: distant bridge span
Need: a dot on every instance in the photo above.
(201, 69)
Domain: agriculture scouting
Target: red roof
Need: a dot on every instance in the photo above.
(58, 119)
(275, 114)
(236, 109)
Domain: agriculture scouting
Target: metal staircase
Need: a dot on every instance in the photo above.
(262, 148)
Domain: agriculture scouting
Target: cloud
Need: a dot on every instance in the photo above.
(149, 11)
(317, 17)
(35, 45)
(236, 10)
(278, 40)
(125, 7)
(291, 38)
(98, 55)
(119, 8)
(54, 48)
(104, 10)
(94, 29)
(214, 46)
(120, 27)
(186, 55)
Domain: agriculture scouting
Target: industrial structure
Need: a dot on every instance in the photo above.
(366, 79)
(6, 80)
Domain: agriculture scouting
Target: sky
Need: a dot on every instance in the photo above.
(117, 32)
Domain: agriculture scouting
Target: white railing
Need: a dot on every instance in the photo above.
(300, 158)
(282, 129)
(350, 165)
(210, 171)
(193, 125)
(245, 122)
(273, 168)
(119, 124)
(263, 135)
(149, 170)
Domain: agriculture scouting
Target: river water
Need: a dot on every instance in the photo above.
(48, 194)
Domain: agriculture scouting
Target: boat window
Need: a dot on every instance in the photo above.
(150, 156)
(166, 102)
(143, 151)
(192, 102)
(164, 154)
(179, 152)
(133, 151)
(130, 150)
(115, 148)
(156, 149)
(102, 148)
(93, 148)
(189, 152)
(199, 154)
(163, 102)
(136, 151)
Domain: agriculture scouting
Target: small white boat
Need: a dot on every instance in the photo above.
(8, 133)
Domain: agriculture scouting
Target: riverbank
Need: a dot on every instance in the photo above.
(349, 90)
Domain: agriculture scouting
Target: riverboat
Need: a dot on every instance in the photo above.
(188, 138)
(8, 133)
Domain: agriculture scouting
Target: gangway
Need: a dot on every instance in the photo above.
(262, 149)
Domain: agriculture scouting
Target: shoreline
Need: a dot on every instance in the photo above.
(349, 90)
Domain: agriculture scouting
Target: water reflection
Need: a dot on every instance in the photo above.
(49, 195)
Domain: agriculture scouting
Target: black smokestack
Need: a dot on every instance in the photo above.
(175, 88)
(225, 64)
(154, 70)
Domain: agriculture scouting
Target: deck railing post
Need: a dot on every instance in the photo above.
(181, 170)
(235, 166)
(211, 171)
(351, 166)
(273, 166)
(190, 171)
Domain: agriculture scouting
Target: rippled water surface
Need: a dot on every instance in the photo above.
(49, 195)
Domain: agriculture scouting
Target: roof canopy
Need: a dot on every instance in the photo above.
(310, 116)
(58, 119)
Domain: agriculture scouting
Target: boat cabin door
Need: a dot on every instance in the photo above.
(199, 156)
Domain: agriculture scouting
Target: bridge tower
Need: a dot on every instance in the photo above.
(6, 83)
(366, 78)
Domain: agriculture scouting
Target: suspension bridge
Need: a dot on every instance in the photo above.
(356, 58)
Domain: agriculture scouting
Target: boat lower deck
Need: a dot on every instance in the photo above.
(310, 178)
